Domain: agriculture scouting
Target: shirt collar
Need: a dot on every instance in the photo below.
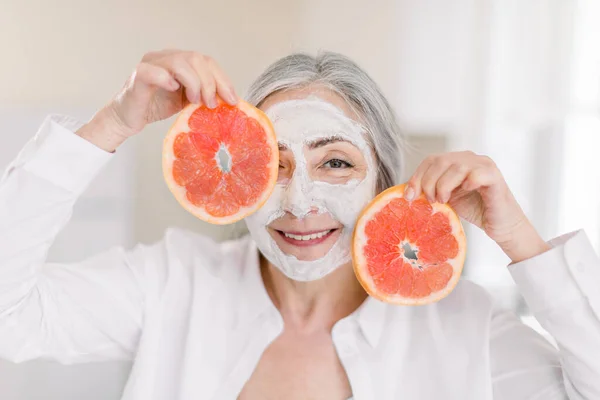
(371, 319)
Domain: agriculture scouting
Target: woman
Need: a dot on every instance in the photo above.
(279, 314)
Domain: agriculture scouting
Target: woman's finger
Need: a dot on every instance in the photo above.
(184, 73)
(154, 55)
(413, 190)
(449, 181)
(478, 178)
(208, 87)
(430, 178)
(225, 88)
(153, 75)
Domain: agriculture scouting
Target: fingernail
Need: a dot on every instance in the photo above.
(409, 193)
(174, 84)
(212, 103)
(232, 96)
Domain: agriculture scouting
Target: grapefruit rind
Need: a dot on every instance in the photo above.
(179, 192)
(359, 240)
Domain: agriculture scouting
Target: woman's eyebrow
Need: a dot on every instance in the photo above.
(317, 143)
(325, 141)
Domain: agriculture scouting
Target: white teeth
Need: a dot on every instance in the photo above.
(307, 237)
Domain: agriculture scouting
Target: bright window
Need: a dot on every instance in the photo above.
(580, 202)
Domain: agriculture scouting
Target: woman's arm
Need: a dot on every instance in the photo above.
(70, 312)
(561, 287)
(92, 309)
(561, 284)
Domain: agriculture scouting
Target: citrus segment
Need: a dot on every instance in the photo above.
(221, 164)
(408, 252)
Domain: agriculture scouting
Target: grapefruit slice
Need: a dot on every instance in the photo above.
(408, 253)
(221, 164)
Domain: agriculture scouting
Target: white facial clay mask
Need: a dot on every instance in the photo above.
(298, 123)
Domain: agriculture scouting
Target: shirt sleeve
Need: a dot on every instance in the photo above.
(86, 311)
(562, 289)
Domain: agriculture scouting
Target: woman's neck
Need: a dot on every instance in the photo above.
(314, 305)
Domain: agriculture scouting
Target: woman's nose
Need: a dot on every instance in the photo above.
(296, 198)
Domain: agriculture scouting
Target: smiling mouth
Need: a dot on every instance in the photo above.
(306, 238)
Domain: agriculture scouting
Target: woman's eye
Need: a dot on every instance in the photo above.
(336, 163)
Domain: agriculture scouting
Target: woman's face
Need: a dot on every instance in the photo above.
(326, 176)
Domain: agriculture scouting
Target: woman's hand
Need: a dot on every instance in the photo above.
(160, 86)
(474, 187)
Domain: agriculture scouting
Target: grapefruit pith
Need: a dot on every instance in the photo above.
(221, 164)
(408, 252)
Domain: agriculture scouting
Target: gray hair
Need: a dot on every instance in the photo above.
(356, 87)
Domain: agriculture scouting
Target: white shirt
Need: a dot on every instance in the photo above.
(195, 317)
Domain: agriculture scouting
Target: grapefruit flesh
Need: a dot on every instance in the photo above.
(408, 252)
(221, 164)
